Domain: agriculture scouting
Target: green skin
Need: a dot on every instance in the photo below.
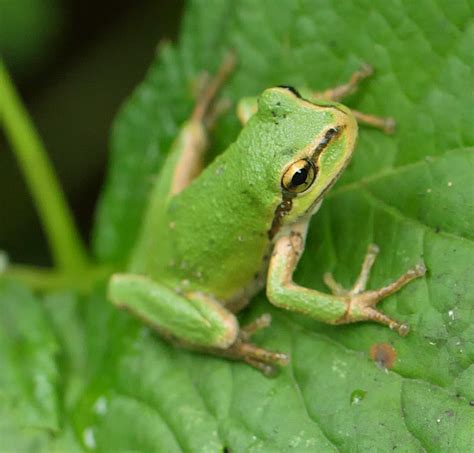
(210, 242)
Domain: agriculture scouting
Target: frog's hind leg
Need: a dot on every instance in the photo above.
(193, 320)
(192, 140)
(338, 93)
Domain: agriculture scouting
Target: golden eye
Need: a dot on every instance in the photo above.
(299, 176)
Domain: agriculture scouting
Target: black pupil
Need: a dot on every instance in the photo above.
(299, 177)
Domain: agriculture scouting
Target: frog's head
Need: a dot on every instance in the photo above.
(312, 144)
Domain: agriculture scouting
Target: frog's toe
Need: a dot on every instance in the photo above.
(265, 368)
(336, 288)
(262, 322)
(265, 361)
(361, 306)
(249, 350)
(374, 315)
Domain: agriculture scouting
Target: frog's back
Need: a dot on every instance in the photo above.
(214, 235)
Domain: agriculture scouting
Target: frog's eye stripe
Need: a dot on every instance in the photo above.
(328, 136)
(299, 176)
(292, 89)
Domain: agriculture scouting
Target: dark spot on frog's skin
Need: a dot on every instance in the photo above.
(471, 403)
(449, 413)
(383, 354)
(437, 229)
(292, 89)
(282, 210)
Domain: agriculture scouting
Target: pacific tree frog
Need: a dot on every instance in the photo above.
(213, 237)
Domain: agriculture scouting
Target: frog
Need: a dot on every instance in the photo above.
(213, 236)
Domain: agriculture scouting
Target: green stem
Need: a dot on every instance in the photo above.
(48, 280)
(66, 246)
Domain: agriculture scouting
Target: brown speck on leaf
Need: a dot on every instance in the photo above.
(383, 354)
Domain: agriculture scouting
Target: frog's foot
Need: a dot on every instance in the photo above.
(207, 109)
(361, 303)
(220, 107)
(262, 322)
(341, 91)
(361, 282)
(263, 360)
(386, 124)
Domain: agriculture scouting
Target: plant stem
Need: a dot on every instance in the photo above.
(51, 280)
(67, 249)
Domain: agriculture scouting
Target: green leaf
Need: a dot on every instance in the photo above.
(411, 193)
(29, 377)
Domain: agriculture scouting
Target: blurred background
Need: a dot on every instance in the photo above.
(74, 63)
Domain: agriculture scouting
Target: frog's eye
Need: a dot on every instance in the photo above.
(299, 176)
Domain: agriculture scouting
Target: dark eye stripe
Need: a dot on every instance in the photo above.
(328, 136)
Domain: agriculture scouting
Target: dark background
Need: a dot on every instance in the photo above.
(74, 63)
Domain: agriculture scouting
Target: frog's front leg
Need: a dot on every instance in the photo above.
(336, 94)
(344, 306)
(192, 320)
(248, 106)
(339, 92)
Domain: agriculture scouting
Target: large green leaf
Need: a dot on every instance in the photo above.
(411, 193)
